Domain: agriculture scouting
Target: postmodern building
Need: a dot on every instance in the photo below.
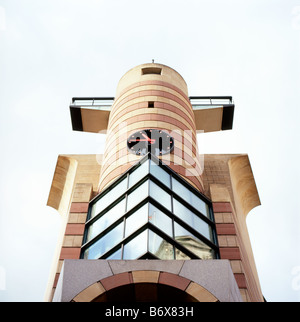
(153, 219)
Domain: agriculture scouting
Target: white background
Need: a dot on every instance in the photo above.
(53, 50)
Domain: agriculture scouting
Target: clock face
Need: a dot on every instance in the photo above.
(155, 141)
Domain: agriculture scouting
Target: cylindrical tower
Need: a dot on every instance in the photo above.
(148, 208)
(151, 97)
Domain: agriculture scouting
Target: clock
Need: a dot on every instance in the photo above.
(157, 142)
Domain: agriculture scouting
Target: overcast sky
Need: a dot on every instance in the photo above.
(53, 50)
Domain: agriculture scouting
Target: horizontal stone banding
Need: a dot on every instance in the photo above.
(153, 87)
(159, 108)
(122, 98)
(142, 102)
(149, 114)
(152, 82)
(130, 113)
(150, 121)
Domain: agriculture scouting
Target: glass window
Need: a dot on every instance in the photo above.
(190, 197)
(137, 195)
(160, 173)
(191, 219)
(180, 255)
(160, 195)
(192, 243)
(138, 174)
(109, 197)
(116, 255)
(105, 243)
(160, 220)
(159, 247)
(136, 247)
(136, 220)
(106, 220)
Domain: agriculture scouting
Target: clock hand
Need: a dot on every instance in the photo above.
(144, 140)
(146, 137)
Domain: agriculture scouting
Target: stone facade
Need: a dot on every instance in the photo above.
(154, 96)
(218, 187)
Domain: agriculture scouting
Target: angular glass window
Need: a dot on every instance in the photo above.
(106, 220)
(160, 220)
(109, 197)
(190, 197)
(160, 195)
(180, 255)
(116, 255)
(160, 174)
(137, 195)
(136, 220)
(105, 243)
(138, 174)
(159, 247)
(192, 243)
(192, 220)
(136, 247)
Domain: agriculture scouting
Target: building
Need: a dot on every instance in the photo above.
(152, 218)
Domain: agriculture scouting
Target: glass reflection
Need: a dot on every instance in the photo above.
(190, 197)
(192, 243)
(180, 255)
(136, 220)
(159, 247)
(136, 247)
(116, 255)
(137, 195)
(148, 241)
(104, 244)
(160, 220)
(160, 173)
(191, 219)
(109, 197)
(160, 195)
(138, 174)
(106, 220)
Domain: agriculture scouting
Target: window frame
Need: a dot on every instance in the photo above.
(147, 200)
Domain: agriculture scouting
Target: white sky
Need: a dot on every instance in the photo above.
(53, 50)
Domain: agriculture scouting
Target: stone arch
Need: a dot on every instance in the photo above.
(145, 286)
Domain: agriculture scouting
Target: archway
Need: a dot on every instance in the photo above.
(145, 286)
